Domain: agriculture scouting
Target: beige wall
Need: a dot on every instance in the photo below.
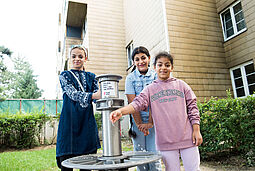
(241, 49)
(222, 4)
(196, 41)
(106, 36)
(145, 26)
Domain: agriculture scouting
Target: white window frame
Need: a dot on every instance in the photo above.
(244, 78)
(233, 22)
(129, 50)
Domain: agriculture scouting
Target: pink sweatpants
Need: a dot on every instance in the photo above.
(190, 158)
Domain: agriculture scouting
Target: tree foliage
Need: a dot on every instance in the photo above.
(20, 83)
(5, 80)
(25, 84)
(5, 51)
(4, 73)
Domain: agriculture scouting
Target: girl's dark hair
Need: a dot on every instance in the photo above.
(164, 55)
(137, 50)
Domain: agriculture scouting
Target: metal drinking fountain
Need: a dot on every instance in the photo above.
(112, 158)
(108, 103)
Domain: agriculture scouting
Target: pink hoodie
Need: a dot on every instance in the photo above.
(174, 111)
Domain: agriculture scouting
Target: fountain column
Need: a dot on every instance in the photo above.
(108, 103)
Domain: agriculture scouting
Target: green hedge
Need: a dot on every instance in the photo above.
(21, 130)
(98, 117)
(228, 125)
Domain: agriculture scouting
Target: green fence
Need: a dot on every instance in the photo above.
(30, 105)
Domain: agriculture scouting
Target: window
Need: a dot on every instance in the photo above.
(243, 79)
(232, 20)
(129, 49)
(59, 46)
(59, 18)
(73, 31)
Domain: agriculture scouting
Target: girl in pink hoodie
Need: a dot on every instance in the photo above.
(175, 116)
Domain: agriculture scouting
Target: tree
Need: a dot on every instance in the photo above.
(21, 83)
(25, 84)
(4, 73)
(6, 51)
(2, 69)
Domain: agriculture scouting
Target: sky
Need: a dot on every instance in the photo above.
(29, 28)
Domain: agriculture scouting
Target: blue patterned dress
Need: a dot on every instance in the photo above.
(77, 129)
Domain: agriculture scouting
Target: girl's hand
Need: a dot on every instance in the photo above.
(196, 135)
(97, 95)
(145, 128)
(115, 116)
(197, 138)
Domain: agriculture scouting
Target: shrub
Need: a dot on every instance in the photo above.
(228, 125)
(98, 117)
(21, 130)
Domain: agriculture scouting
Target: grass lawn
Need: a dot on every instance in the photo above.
(37, 159)
(44, 159)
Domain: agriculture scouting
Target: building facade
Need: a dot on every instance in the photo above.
(212, 40)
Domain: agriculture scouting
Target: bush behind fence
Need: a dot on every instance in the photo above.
(21, 130)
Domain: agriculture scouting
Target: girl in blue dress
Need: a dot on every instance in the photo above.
(77, 129)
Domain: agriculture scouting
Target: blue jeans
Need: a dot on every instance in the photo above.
(145, 143)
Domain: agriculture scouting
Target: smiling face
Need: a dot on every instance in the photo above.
(142, 61)
(78, 58)
(163, 68)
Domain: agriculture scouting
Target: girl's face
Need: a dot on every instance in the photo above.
(163, 68)
(78, 58)
(142, 61)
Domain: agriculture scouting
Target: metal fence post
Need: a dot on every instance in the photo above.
(56, 107)
(20, 105)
